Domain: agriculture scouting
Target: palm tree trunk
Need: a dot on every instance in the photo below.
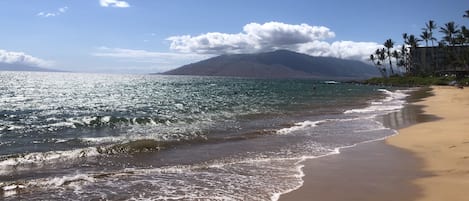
(390, 62)
(434, 63)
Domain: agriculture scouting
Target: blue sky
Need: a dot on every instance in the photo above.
(143, 36)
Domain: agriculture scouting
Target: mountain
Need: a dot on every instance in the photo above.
(278, 64)
(20, 67)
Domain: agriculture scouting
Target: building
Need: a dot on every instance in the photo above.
(441, 60)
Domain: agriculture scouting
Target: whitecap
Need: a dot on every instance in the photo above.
(11, 162)
(300, 126)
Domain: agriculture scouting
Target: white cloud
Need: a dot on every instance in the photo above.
(340, 49)
(254, 38)
(160, 61)
(114, 3)
(22, 58)
(53, 14)
(270, 36)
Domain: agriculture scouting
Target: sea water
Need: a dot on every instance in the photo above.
(70, 136)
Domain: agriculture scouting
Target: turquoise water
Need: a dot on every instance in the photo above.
(96, 136)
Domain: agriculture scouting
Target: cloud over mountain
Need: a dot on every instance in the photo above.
(254, 38)
(339, 49)
(22, 58)
(272, 36)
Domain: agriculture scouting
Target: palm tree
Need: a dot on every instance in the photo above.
(450, 30)
(404, 56)
(389, 44)
(430, 26)
(395, 54)
(413, 42)
(380, 55)
(464, 34)
(405, 36)
(373, 59)
(425, 36)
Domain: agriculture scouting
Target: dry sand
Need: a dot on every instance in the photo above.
(442, 145)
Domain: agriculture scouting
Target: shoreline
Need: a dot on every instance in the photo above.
(442, 145)
(341, 177)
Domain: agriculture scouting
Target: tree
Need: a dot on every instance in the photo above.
(425, 36)
(395, 54)
(413, 42)
(405, 36)
(404, 58)
(430, 26)
(450, 30)
(373, 59)
(466, 14)
(389, 44)
(464, 34)
(380, 55)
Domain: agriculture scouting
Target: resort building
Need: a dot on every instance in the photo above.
(450, 60)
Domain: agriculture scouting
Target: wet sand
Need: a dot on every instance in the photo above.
(368, 172)
(372, 171)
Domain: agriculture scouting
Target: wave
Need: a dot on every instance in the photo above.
(100, 121)
(300, 126)
(13, 161)
(91, 122)
(393, 101)
(17, 161)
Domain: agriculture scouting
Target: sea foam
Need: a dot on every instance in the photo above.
(394, 101)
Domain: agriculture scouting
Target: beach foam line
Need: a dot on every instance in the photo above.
(276, 196)
(393, 101)
(396, 99)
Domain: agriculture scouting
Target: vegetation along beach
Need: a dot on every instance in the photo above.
(216, 100)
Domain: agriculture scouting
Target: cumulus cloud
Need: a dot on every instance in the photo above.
(270, 36)
(114, 3)
(340, 49)
(160, 61)
(254, 38)
(22, 58)
(53, 14)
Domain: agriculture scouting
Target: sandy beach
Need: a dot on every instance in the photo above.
(425, 161)
(442, 145)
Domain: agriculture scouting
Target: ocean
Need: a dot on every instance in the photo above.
(71, 136)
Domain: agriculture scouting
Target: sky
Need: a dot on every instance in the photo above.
(148, 36)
